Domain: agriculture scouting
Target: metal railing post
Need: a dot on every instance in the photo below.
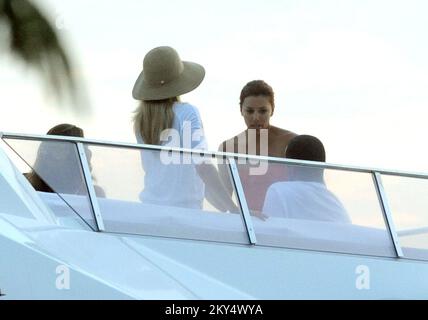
(89, 184)
(383, 200)
(242, 201)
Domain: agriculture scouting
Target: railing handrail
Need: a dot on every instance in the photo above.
(213, 154)
(376, 175)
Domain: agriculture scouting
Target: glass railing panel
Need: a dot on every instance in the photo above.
(313, 208)
(161, 193)
(56, 173)
(408, 202)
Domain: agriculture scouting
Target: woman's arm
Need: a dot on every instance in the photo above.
(215, 191)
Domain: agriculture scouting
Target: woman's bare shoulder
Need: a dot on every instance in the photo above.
(282, 133)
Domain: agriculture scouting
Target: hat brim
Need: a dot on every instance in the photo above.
(189, 79)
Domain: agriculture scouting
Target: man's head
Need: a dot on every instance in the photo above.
(305, 147)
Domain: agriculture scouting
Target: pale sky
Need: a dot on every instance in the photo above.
(353, 73)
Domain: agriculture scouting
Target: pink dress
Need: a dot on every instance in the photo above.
(256, 186)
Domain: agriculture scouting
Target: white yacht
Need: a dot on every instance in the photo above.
(94, 236)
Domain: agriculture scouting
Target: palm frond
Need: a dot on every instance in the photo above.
(34, 40)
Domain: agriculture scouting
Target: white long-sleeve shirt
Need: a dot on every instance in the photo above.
(304, 200)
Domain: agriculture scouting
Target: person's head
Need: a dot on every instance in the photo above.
(257, 103)
(305, 147)
(56, 162)
(164, 78)
(57, 150)
(309, 148)
(66, 129)
(52, 151)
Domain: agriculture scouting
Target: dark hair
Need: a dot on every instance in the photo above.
(257, 88)
(65, 129)
(305, 147)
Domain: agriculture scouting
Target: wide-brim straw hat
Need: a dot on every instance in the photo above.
(165, 75)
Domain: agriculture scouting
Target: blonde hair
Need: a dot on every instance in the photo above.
(153, 117)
